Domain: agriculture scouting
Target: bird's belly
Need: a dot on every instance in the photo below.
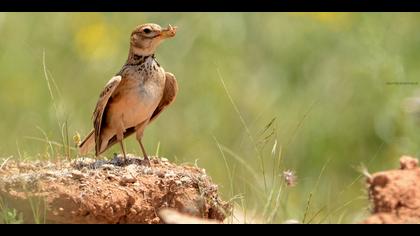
(136, 106)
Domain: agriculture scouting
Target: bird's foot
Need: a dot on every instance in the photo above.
(147, 160)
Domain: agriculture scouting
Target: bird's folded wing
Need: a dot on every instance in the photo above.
(169, 94)
(100, 108)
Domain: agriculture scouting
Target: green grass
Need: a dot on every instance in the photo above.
(8, 215)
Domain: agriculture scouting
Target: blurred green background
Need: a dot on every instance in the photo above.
(340, 89)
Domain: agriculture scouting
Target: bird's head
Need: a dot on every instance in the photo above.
(145, 38)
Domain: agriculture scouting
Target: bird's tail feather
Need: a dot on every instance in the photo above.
(87, 144)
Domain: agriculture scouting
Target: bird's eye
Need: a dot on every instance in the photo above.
(147, 30)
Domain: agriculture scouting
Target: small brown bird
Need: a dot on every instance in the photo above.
(135, 96)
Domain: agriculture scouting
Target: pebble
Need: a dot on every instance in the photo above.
(127, 179)
(108, 167)
(147, 170)
(131, 169)
(185, 179)
(137, 186)
(76, 174)
(161, 174)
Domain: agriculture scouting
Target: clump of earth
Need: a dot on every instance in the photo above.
(121, 191)
(395, 194)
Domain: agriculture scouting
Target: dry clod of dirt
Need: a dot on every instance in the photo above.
(395, 194)
(116, 191)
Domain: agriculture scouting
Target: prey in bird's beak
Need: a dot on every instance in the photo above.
(168, 32)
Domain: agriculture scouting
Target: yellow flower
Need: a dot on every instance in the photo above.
(334, 19)
(95, 40)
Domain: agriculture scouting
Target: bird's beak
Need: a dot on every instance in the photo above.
(168, 32)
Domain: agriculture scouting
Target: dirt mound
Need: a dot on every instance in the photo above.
(98, 191)
(395, 194)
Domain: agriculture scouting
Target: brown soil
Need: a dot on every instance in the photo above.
(395, 194)
(98, 191)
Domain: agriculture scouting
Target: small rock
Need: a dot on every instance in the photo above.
(147, 170)
(160, 174)
(131, 169)
(76, 174)
(108, 167)
(164, 159)
(185, 179)
(127, 179)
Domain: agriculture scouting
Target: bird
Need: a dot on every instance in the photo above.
(135, 96)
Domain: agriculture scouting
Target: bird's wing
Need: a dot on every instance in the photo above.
(100, 109)
(169, 94)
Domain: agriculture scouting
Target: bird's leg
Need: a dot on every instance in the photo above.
(123, 150)
(139, 136)
(120, 137)
(144, 152)
(146, 158)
